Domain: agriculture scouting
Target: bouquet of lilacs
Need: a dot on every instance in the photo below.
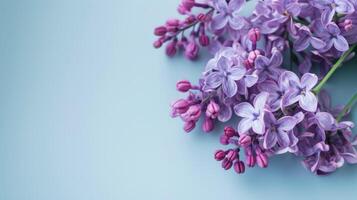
(268, 69)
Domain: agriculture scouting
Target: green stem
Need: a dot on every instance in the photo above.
(339, 62)
(348, 106)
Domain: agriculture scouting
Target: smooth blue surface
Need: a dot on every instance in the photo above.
(84, 113)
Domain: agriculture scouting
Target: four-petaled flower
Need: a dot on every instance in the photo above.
(277, 130)
(226, 75)
(299, 90)
(228, 13)
(253, 115)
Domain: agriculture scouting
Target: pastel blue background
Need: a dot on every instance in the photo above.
(84, 112)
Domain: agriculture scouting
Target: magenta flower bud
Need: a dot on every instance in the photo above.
(192, 49)
(192, 114)
(252, 56)
(188, 4)
(182, 9)
(160, 31)
(226, 164)
(348, 24)
(232, 155)
(173, 22)
(224, 140)
(201, 17)
(262, 160)
(250, 160)
(204, 40)
(157, 44)
(207, 125)
(181, 106)
(171, 48)
(254, 35)
(239, 167)
(245, 140)
(219, 155)
(172, 29)
(212, 110)
(229, 131)
(190, 19)
(189, 126)
(183, 86)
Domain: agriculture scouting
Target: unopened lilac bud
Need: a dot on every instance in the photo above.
(190, 19)
(250, 160)
(224, 140)
(212, 110)
(183, 86)
(171, 48)
(254, 35)
(192, 114)
(173, 22)
(201, 17)
(232, 155)
(172, 29)
(239, 167)
(192, 49)
(348, 24)
(262, 160)
(188, 4)
(204, 40)
(229, 131)
(252, 56)
(189, 126)
(226, 164)
(157, 44)
(207, 125)
(220, 155)
(245, 140)
(182, 9)
(181, 106)
(160, 31)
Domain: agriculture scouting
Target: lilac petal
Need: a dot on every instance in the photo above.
(308, 81)
(308, 102)
(351, 156)
(219, 21)
(283, 138)
(260, 101)
(235, 5)
(276, 59)
(269, 86)
(325, 120)
(224, 63)
(344, 7)
(213, 80)
(258, 126)
(327, 15)
(341, 43)
(302, 43)
(221, 5)
(244, 125)
(236, 22)
(333, 29)
(225, 113)
(250, 80)
(244, 110)
(229, 87)
(237, 73)
(289, 79)
(290, 97)
(286, 123)
(294, 9)
(317, 43)
(261, 62)
(270, 139)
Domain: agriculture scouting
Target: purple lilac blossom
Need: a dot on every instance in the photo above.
(252, 73)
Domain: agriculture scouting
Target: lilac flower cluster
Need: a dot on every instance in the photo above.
(268, 69)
